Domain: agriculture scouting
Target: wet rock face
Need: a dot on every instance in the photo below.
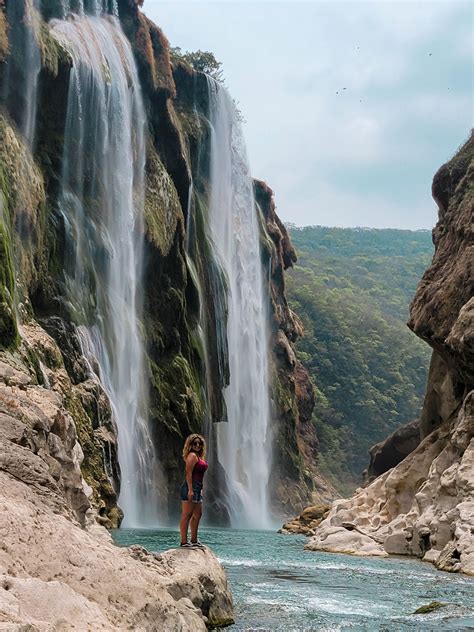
(424, 506)
(294, 476)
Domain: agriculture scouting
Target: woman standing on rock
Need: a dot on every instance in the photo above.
(194, 452)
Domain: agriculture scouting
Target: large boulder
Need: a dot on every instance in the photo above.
(307, 521)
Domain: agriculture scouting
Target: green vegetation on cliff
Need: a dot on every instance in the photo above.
(202, 61)
(352, 289)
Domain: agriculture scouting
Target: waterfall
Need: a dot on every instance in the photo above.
(243, 442)
(23, 66)
(101, 201)
(92, 7)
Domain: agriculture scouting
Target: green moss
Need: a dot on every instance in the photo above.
(52, 357)
(32, 360)
(23, 205)
(194, 130)
(286, 445)
(8, 325)
(92, 467)
(285, 399)
(216, 623)
(431, 607)
(3, 36)
(162, 207)
(53, 53)
(176, 395)
(193, 124)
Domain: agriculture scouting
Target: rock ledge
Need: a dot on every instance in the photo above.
(59, 569)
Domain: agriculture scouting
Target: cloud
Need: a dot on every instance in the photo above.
(341, 98)
(331, 206)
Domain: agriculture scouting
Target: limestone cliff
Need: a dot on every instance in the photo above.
(185, 385)
(423, 503)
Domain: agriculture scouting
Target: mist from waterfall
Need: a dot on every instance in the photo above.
(243, 441)
(101, 200)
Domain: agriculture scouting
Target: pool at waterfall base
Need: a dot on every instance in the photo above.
(278, 586)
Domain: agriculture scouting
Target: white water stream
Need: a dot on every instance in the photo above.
(91, 7)
(102, 204)
(23, 18)
(243, 442)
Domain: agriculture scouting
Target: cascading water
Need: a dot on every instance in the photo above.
(23, 67)
(243, 443)
(102, 204)
(92, 7)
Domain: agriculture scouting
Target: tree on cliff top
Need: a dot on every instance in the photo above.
(201, 60)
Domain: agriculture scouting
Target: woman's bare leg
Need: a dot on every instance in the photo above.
(187, 509)
(194, 523)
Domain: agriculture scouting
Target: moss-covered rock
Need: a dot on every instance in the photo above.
(175, 396)
(8, 325)
(430, 607)
(53, 53)
(97, 438)
(24, 206)
(153, 54)
(162, 207)
(3, 33)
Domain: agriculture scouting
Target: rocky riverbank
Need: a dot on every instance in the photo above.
(59, 569)
(422, 503)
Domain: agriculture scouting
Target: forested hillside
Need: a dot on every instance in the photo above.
(352, 288)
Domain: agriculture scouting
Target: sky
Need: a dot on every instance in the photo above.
(350, 107)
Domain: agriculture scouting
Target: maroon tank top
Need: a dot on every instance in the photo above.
(199, 470)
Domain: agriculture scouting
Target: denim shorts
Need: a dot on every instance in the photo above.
(197, 489)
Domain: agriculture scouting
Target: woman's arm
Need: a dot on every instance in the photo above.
(191, 461)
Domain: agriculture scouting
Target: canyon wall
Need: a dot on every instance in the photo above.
(185, 383)
(421, 501)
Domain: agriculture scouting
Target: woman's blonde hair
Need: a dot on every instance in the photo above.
(189, 442)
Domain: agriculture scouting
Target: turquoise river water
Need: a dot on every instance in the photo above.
(280, 587)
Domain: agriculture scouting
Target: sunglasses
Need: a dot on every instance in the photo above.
(197, 442)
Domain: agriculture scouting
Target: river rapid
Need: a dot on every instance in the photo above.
(278, 586)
